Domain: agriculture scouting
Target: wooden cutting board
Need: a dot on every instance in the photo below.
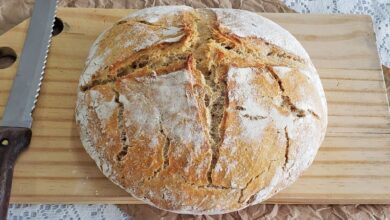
(352, 166)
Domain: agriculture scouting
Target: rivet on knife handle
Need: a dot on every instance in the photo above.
(12, 142)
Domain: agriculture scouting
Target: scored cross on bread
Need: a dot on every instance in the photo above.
(200, 111)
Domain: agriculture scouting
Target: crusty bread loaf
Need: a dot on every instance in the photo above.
(200, 111)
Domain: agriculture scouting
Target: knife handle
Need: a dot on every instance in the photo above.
(12, 142)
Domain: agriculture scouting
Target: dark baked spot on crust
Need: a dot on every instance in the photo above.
(206, 100)
(95, 83)
(212, 186)
(240, 108)
(147, 23)
(121, 127)
(287, 148)
(121, 22)
(276, 77)
(315, 115)
(293, 108)
(277, 52)
(139, 63)
(254, 117)
(166, 146)
(251, 199)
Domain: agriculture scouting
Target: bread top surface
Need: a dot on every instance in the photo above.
(200, 111)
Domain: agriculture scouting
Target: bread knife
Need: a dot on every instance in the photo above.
(15, 127)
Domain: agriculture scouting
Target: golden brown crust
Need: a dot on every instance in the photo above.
(186, 113)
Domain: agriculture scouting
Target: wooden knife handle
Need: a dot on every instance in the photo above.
(12, 142)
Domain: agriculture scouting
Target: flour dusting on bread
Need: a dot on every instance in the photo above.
(248, 24)
(200, 111)
(155, 14)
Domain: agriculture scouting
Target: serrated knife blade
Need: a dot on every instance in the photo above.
(15, 132)
(27, 82)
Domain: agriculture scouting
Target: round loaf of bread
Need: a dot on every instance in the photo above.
(200, 111)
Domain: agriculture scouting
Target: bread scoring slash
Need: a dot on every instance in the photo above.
(200, 111)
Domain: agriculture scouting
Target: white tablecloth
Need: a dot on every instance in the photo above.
(379, 10)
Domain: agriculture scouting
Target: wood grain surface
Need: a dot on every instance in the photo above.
(352, 166)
